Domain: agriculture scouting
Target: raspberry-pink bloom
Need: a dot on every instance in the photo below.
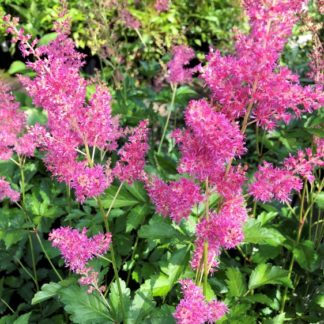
(175, 199)
(7, 192)
(89, 181)
(304, 162)
(253, 77)
(162, 5)
(181, 56)
(214, 130)
(209, 141)
(129, 20)
(12, 122)
(130, 167)
(194, 309)
(214, 250)
(77, 249)
(273, 183)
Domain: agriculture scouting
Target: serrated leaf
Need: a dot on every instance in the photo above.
(159, 286)
(158, 228)
(115, 302)
(265, 274)
(141, 306)
(279, 319)
(47, 291)
(17, 67)
(255, 233)
(84, 308)
(138, 191)
(235, 282)
(23, 319)
(259, 298)
(136, 216)
(306, 255)
(124, 198)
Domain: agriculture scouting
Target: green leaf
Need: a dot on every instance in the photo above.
(158, 228)
(47, 38)
(319, 300)
(17, 67)
(124, 198)
(279, 319)
(259, 298)
(136, 216)
(320, 200)
(114, 300)
(47, 291)
(235, 282)
(138, 191)
(141, 306)
(159, 286)
(23, 319)
(306, 256)
(265, 274)
(84, 308)
(255, 233)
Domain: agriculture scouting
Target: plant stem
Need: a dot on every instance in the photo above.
(113, 258)
(47, 256)
(9, 307)
(206, 268)
(132, 257)
(23, 194)
(174, 88)
(299, 232)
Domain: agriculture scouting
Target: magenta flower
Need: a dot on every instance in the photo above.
(274, 183)
(7, 192)
(175, 199)
(194, 309)
(162, 5)
(253, 76)
(130, 167)
(12, 122)
(181, 56)
(129, 20)
(77, 249)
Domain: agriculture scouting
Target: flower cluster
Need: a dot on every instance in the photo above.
(130, 167)
(77, 249)
(129, 20)
(175, 199)
(75, 126)
(252, 77)
(162, 5)
(273, 183)
(13, 135)
(7, 192)
(210, 141)
(178, 72)
(194, 309)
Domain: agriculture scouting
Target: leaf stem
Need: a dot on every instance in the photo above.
(174, 91)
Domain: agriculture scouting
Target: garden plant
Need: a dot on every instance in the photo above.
(160, 162)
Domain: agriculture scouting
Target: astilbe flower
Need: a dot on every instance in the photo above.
(178, 73)
(209, 141)
(89, 181)
(273, 183)
(252, 77)
(194, 309)
(221, 230)
(12, 122)
(304, 162)
(175, 199)
(162, 5)
(72, 123)
(129, 20)
(130, 167)
(77, 249)
(7, 192)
